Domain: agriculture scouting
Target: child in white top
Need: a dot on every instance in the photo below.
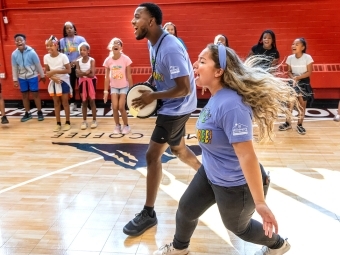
(300, 67)
(118, 76)
(85, 71)
(57, 67)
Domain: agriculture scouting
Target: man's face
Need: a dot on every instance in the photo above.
(141, 22)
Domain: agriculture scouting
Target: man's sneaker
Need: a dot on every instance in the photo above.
(337, 118)
(57, 128)
(266, 251)
(83, 125)
(301, 130)
(40, 116)
(26, 117)
(285, 126)
(169, 249)
(140, 223)
(66, 127)
(4, 120)
(126, 130)
(94, 124)
(117, 130)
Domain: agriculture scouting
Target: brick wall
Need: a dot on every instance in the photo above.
(242, 21)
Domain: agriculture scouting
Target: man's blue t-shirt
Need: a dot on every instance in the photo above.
(173, 61)
(223, 121)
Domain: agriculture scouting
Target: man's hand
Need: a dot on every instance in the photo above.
(142, 101)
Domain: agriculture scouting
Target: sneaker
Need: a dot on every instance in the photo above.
(140, 223)
(117, 130)
(266, 251)
(26, 117)
(83, 125)
(285, 126)
(301, 130)
(40, 116)
(337, 118)
(126, 130)
(57, 128)
(73, 107)
(169, 249)
(66, 127)
(94, 124)
(4, 120)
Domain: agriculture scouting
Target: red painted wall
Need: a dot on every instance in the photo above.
(197, 22)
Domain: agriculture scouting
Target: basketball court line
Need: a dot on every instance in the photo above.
(48, 174)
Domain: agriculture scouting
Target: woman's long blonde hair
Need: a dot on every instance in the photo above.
(267, 94)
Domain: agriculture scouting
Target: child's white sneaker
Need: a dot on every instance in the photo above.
(117, 130)
(83, 125)
(94, 124)
(126, 130)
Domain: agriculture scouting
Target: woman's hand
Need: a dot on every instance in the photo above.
(268, 219)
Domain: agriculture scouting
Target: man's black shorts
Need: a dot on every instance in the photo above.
(169, 129)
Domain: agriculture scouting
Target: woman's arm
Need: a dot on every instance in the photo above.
(129, 75)
(251, 170)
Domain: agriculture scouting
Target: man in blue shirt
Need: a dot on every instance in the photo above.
(173, 77)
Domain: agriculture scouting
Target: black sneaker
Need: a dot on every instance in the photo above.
(40, 116)
(285, 126)
(301, 130)
(4, 120)
(26, 117)
(140, 223)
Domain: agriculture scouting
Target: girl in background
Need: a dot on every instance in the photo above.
(300, 67)
(220, 38)
(85, 71)
(69, 46)
(119, 78)
(57, 68)
(171, 29)
(266, 47)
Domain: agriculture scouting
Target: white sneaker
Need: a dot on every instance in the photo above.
(169, 249)
(73, 107)
(83, 125)
(266, 251)
(117, 130)
(94, 124)
(337, 118)
(126, 130)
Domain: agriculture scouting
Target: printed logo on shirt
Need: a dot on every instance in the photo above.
(116, 73)
(204, 135)
(204, 115)
(158, 76)
(174, 69)
(240, 129)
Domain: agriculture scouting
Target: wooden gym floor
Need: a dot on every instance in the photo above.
(72, 193)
